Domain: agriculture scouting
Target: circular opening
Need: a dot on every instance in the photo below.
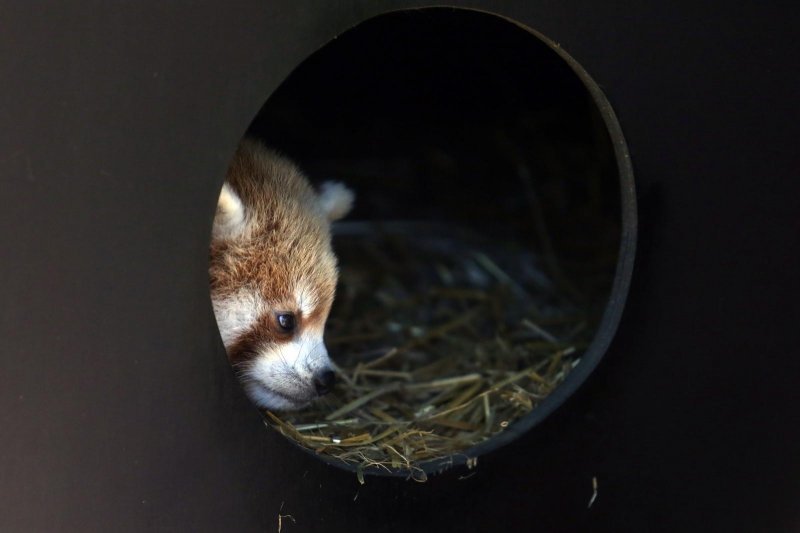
(485, 263)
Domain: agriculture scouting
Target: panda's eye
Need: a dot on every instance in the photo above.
(286, 321)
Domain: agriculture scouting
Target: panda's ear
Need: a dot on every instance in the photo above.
(335, 199)
(229, 220)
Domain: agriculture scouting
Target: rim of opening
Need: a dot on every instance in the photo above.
(618, 294)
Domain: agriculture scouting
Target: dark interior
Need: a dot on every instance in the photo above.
(458, 117)
(469, 121)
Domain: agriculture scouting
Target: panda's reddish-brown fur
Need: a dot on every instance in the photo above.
(270, 254)
(287, 235)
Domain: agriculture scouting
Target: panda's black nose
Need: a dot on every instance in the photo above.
(324, 381)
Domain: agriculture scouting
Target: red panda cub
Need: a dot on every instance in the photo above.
(273, 276)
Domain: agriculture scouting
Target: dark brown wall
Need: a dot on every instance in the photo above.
(118, 411)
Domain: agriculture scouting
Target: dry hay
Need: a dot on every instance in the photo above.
(442, 340)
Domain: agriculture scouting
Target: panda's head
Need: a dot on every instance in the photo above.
(273, 276)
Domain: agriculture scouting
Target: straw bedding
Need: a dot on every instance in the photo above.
(442, 339)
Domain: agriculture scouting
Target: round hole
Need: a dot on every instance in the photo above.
(484, 267)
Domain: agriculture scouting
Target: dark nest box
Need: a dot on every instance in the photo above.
(640, 159)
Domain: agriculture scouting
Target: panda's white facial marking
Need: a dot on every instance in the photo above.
(306, 298)
(282, 376)
(237, 313)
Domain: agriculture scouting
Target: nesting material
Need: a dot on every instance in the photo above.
(442, 341)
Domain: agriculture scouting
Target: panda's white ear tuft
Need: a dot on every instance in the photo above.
(335, 199)
(229, 220)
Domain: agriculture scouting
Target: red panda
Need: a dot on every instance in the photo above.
(273, 276)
